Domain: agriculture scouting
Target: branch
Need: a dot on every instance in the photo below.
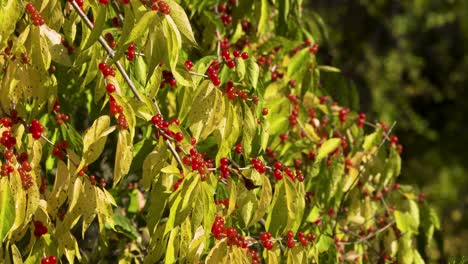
(122, 71)
(343, 198)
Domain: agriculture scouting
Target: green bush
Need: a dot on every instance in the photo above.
(131, 135)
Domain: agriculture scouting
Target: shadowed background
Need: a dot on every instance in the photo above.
(408, 61)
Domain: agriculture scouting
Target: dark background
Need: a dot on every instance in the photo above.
(408, 60)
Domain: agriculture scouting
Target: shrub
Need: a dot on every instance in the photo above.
(126, 139)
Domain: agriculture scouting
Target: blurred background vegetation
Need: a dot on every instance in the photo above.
(408, 61)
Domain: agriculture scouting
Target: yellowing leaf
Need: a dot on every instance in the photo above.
(7, 208)
(218, 253)
(95, 138)
(123, 155)
(327, 147)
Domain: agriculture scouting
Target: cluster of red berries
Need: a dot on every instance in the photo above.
(59, 149)
(212, 72)
(230, 63)
(233, 93)
(188, 65)
(162, 6)
(177, 184)
(225, 14)
(258, 165)
(198, 163)
(131, 52)
(224, 202)
(110, 88)
(277, 170)
(266, 242)
(163, 128)
(92, 178)
(283, 137)
(106, 70)
(342, 114)
(110, 39)
(6, 169)
(275, 75)
(303, 239)
(114, 109)
(115, 22)
(7, 139)
(35, 16)
(361, 119)
(36, 129)
(39, 229)
(168, 78)
(246, 26)
(394, 142)
(83, 171)
(224, 167)
(70, 48)
(238, 149)
(219, 231)
(307, 43)
(7, 50)
(60, 118)
(224, 44)
(293, 116)
(49, 260)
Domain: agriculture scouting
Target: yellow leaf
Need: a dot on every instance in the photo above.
(123, 155)
(95, 138)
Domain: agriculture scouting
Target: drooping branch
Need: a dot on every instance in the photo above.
(122, 71)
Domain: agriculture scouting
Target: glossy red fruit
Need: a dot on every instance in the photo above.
(110, 88)
(178, 136)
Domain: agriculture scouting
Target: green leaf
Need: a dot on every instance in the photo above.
(372, 140)
(218, 253)
(264, 17)
(182, 21)
(328, 147)
(327, 68)
(172, 250)
(252, 71)
(277, 219)
(125, 226)
(99, 24)
(405, 222)
(95, 138)
(7, 208)
(298, 64)
(10, 12)
(123, 155)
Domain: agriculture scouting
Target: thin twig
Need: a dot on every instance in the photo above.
(343, 198)
(366, 238)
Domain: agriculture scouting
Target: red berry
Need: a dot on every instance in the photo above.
(110, 88)
(314, 48)
(238, 148)
(188, 65)
(102, 66)
(265, 111)
(231, 232)
(178, 136)
(104, 2)
(244, 55)
(268, 244)
(231, 64)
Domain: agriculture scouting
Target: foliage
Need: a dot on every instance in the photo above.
(408, 63)
(237, 156)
